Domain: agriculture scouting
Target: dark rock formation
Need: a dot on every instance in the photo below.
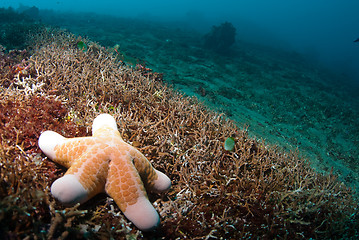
(220, 38)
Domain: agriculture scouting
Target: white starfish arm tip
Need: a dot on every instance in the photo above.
(68, 190)
(48, 141)
(103, 120)
(162, 183)
(143, 214)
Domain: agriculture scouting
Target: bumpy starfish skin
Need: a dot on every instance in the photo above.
(104, 162)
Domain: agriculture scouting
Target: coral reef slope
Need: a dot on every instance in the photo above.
(254, 191)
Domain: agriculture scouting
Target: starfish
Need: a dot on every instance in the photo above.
(105, 162)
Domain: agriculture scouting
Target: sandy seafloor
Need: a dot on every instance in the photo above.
(281, 97)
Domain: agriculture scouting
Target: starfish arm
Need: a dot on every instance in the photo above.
(48, 140)
(103, 121)
(72, 149)
(69, 191)
(152, 178)
(62, 150)
(143, 214)
(124, 185)
(84, 179)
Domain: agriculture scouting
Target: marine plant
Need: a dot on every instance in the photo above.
(82, 46)
(229, 144)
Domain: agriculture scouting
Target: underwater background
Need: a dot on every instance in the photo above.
(322, 30)
(288, 71)
(291, 74)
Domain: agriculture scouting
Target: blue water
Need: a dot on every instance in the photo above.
(323, 29)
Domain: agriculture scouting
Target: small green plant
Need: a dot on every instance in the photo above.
(82, 46)
(229, 144)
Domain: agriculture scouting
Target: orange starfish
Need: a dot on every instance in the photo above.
(104, 162)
